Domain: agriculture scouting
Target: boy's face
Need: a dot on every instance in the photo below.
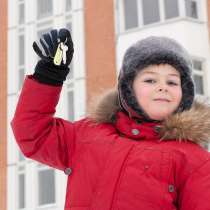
(158, 90)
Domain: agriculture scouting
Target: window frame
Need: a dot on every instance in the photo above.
(21, 32)
(70, 80)
(67, 9)
(164, 10)
(124, 18)
(43, 16)
(41, 167)
(21, 170)
(21, 2)
(24, 190)
(181, 12)
(201, 73)
(198, 10)
(70, 88)
(68, 19)
(159, 11)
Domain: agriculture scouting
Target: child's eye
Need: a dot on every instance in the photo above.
(149, 80)
(172, 83)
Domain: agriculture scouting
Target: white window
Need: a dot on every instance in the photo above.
(21, 77)
(21, 46)
(21, 13)
(68, 5)
(70, 77)
(21, 190)
(130, 14)
(44, 8)
(138, 13)
(171, 9)
(70, 105)
(69, 26)
(151, 11)
(191, 8)
(198, 76)
(21, 181)
(21, 43)
(46, 186)
(21, 59)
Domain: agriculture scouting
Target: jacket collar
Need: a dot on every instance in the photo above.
(191, 125)
(128, 127)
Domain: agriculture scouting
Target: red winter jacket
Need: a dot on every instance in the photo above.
(118, 164)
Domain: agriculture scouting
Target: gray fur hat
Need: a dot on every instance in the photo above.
(154, 50)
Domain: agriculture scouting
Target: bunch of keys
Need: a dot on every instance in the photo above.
(60, 54)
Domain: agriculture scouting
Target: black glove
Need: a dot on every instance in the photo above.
(56, 55)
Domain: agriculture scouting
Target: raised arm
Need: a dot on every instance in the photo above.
(38, 133)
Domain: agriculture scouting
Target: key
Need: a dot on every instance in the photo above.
(58, 55)
(64, 49)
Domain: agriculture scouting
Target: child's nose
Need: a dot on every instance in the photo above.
(163, 90)
(163, 87)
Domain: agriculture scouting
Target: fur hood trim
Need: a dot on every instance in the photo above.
(191, 125)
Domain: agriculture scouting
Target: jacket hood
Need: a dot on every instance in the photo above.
(190, 125)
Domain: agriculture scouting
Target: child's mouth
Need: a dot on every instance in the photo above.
(162, 100)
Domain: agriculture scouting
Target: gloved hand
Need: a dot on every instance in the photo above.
(56, 55)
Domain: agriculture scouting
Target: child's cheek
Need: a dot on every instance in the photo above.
(143, 96)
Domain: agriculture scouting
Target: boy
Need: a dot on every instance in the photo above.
(140, 147)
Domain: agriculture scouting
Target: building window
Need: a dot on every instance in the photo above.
(69, 26)
(171, 9)
(21, 13)
(21, 58)
(198, 76)
(44, 8)
(191, 8)
(70, 105)
(130, 14)
(138, 13)
(21, 46)
(21, 191)
(151, 11)
(70, 77)
(21, 77)
(46, 186)
(21, 181)
(68, 5)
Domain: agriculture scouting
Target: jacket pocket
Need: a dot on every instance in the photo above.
(143, 179)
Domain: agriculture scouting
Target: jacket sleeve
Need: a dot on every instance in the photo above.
(196, 192)
(39, 134)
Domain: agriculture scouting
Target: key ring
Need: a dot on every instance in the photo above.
(65, 41)
(59, 40)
